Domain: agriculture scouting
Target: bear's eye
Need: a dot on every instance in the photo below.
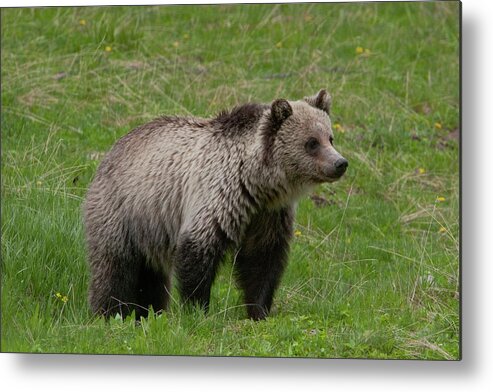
(311, 145)
(331, 140)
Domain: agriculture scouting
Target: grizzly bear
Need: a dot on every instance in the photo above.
(174, 195)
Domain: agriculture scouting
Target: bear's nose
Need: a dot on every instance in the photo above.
(341, 165)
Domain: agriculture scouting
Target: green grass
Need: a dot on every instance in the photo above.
(373, 273)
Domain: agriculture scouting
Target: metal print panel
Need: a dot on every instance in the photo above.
(277, 180)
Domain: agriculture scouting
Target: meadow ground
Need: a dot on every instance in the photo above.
(374, 266)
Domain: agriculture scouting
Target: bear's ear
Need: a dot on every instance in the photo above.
(280, 111)
(320, 101)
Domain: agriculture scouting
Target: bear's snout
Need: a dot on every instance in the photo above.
(340, 166)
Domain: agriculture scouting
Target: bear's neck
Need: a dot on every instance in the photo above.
(266, 183)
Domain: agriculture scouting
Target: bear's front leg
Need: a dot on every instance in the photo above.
(262, 257)
(197, 258)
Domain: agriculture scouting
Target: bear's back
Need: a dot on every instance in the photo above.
(166, 171)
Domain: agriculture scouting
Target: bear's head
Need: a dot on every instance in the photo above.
(298, 139)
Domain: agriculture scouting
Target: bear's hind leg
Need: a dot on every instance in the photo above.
(113, 286)
(153, 290)
(197, 261)
(261, 259)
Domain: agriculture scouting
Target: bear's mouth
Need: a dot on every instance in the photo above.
(333, 178)
(325, 179)
(328, 177)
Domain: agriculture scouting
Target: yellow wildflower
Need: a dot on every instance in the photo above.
(297, 233)
(438, 125)
(440, 198)
(338, 127)
(359, 50)
(442, 230)
(61, 297)
(108, 49)
(421, 170)
(82, 22)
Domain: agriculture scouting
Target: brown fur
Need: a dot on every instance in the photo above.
(173, 196)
